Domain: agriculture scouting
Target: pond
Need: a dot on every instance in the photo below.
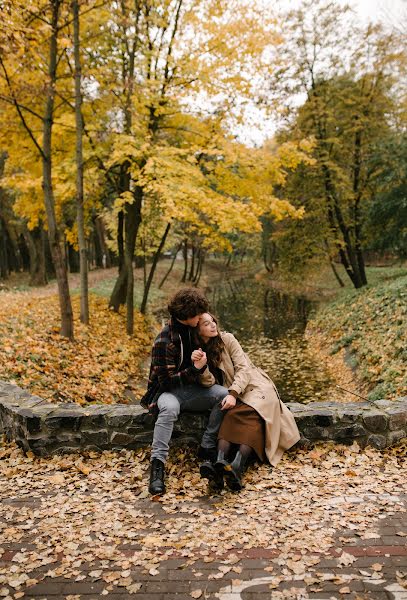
(270, 326)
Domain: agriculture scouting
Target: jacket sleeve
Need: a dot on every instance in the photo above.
(207, 379)
(241, 364)
(164, 359)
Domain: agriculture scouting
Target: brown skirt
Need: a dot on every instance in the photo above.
(243, 425)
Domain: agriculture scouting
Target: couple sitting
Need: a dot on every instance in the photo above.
(195, 367)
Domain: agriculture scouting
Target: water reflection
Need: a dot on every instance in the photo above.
(270, 326)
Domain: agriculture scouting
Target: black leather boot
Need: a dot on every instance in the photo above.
(214, 477)
(157, 472)
(207, 468)
(207, 453)
(234, 472)
(221, 462)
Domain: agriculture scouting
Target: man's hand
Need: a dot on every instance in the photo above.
(228, 402)
(197, 354)
(199, 358)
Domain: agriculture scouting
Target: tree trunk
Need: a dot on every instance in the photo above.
(200, 266)
(185, 253)
(35, 240)
(332, 263)
(4, 271)
(171, 266)
(101, 236)
(132, 223)
(118, 296)
(192, 268)
(83, 257)
(54, 240)
(152, 270)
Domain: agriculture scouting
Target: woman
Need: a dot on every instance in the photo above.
(256, 419)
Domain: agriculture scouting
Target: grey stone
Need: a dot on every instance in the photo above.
(348, 433)
(395, 436)
(63, 419)
(377, 441)
(46, 428)
(375, 421)
(324, 418)
(99, 437)
(30, 420)
(397, 418)
(119, 438)
(316, 433)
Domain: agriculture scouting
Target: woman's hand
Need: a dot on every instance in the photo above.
(197, 354)
(199, 358)
(228, 402)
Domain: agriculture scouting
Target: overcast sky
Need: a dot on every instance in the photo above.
(382, 10)
(391, 12)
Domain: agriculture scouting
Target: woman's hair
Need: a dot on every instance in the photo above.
(213, 347)
(187, 303)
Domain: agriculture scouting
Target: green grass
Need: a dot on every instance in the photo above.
(372, 323)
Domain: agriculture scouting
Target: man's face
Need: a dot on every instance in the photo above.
(191, 322)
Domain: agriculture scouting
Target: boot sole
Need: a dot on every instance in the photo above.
(160, 492)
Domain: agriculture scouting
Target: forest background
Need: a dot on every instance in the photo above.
(118, 143)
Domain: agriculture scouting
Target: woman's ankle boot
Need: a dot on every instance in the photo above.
(234, 472)
(221, 462)
(210, 471)
(157, 471)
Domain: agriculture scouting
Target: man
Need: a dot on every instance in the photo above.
(173, 385)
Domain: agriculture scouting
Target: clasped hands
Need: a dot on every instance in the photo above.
(199, 360)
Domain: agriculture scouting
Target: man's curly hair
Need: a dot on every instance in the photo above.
(187, 303)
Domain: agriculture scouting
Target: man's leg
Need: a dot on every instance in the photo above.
(197, 398)
(168, 407)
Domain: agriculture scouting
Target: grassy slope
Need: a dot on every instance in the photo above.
(371, 324)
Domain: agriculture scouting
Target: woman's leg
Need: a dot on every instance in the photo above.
(245, 450)
(224, 446)
(236, 469)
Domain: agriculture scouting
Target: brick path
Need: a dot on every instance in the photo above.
(378, 571)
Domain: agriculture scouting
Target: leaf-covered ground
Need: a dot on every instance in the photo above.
(95, 367)
(368, 328)
(88, 518)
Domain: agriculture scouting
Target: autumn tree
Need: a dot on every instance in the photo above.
(31, 32)
(349, 85)
(165, 59)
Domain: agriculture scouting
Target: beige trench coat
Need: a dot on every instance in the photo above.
(255, 388)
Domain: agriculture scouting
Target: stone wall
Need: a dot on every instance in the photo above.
(46, 428)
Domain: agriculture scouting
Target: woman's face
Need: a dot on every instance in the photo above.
(207, 327)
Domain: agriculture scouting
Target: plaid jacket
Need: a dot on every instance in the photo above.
(166, 359)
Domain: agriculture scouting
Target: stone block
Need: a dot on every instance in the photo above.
(395, 436)
(117, 419)
(316, 433)
(375, 421)
(63, 419)
(119, 438)
(324, 418)
(29, 419)
(377, 441)
(397, 418)
(348, 433)
(95, 416)
(98, 437)
(349, 415)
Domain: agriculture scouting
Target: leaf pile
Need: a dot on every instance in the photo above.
(93, 368)
(370, 326)
(89, 517)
